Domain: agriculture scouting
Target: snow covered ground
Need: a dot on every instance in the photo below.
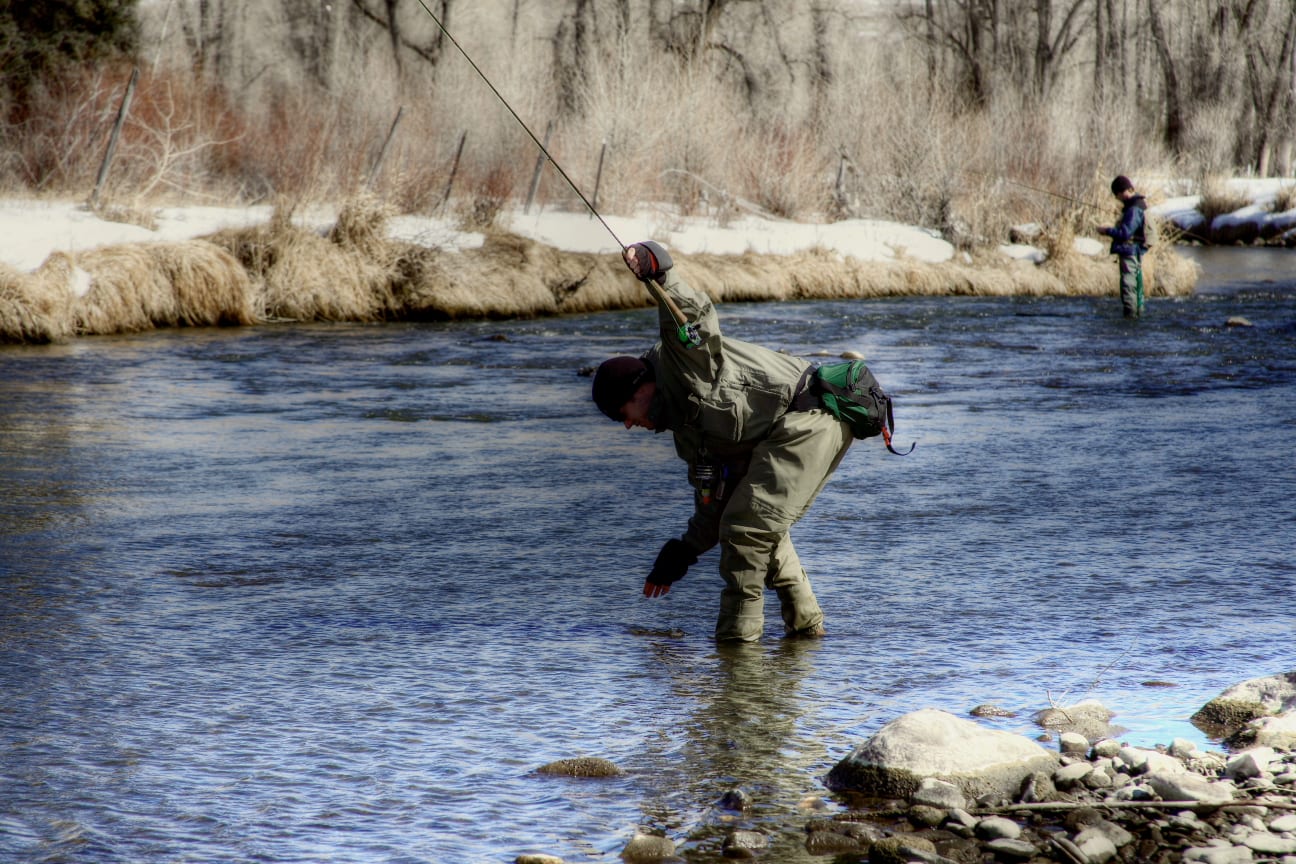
(31, 230)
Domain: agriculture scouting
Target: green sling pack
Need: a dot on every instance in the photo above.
(849, 392)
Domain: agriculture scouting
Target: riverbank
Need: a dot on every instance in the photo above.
(933, 787)
(91, 275)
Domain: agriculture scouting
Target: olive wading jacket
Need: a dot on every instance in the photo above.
(720, 399)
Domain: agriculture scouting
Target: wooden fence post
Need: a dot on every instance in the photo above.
(535, 177)
(454, 169)
(382, 154)
(598, 178)
(112, 139)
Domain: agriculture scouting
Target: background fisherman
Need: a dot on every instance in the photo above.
(758, 447)
(1129, 242)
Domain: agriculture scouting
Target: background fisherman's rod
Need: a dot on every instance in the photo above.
(1040, 190)
(1184, 231)
(521, 123)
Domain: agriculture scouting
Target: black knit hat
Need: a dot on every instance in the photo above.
(616, 381)
(1121, 183)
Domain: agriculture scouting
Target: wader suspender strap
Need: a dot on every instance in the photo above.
(886, 432)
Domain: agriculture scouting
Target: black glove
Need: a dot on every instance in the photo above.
(651, 260)
(672, 563)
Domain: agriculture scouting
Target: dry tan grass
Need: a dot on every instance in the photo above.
(1218, 199)
(132, 287)
(139, 287)
(127, 293)
(300, 275)
(511, 276)
(1169, 274)
(35, 307)
(280, 271)
(211, 287)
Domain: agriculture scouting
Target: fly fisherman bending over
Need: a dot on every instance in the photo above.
(758, 446)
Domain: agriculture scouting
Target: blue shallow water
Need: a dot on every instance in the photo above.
(310, 593)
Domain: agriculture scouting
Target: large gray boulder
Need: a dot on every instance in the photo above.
(935, 744)
(1233, 709)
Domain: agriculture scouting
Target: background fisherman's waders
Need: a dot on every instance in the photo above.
(1131, 285)
(787, 471)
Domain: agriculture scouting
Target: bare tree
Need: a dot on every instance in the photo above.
(1269, 56)
(428, 49)
(204, 36)
(573, 41)
(1051, 47)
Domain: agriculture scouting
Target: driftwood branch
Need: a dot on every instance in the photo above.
(1130, 805)
(1066, 806)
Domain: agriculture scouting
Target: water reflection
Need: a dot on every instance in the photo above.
(745, 761)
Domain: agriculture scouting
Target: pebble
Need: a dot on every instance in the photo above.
(1012, 850)
(1283, 823)
(998, 828)
(1218, 855)
(648, 847)
(1270, 844)
(1069, 775)
(745, 844)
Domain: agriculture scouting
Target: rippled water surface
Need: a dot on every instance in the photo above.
(334, 593)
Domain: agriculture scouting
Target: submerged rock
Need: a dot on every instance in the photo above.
(744, 844)
(647, 847)
(1088, 718)
(583, 766)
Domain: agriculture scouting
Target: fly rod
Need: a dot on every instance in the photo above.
(1042, 191)
(674, 310)
(523, 124)
(1184, 231)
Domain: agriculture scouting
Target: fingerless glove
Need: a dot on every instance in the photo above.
(672, 563)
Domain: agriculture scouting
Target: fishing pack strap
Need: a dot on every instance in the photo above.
(850, 393)
(805, 397)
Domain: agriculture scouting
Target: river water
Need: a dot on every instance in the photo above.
(334, 593)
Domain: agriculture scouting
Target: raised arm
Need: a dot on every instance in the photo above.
(686, 317)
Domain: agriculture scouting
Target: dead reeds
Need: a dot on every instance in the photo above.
(139, 287)
(354, 272)
(34, 307)
(301, 275)
(123, 289)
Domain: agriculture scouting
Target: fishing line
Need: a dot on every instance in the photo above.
(1181, 230)
(1055, 194)
(521, 123)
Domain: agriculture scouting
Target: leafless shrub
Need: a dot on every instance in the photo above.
(493, 191)
(1219, 199)
(1284, 198)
